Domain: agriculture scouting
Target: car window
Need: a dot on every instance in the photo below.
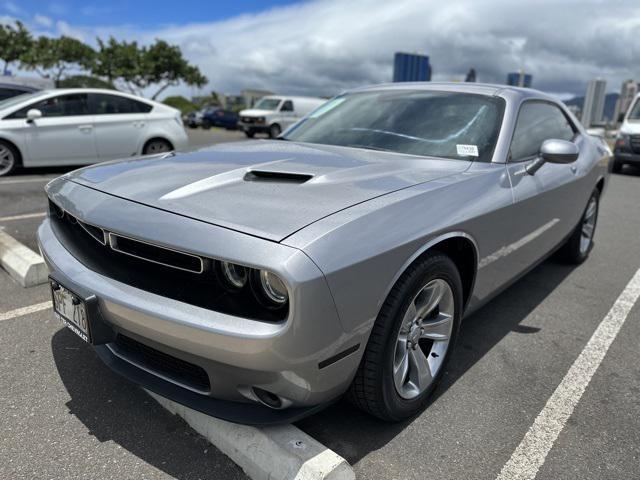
(10, 93)
(267, 104)
(537, 122)
(105, 104)
(287, 106)
(60, 106)
(634, 114)
(461, 126)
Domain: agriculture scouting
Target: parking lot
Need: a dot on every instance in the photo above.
(64, 414)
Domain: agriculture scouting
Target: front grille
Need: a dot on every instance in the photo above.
(176, 275)
(634, 141)
(247, 120)
(168, 366)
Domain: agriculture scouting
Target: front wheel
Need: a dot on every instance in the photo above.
(8, 158)
(580, 243)
(411, 341)
(249, 133)
(616, 167)
(274, 130)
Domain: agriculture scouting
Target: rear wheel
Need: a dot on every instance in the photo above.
(155, 146)
(580, 243)
(411, 341)
(9, 158)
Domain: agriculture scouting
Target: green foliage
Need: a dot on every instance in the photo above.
(117, 60)
(52, 57)
(15, 42)
(84, 81)
(181, 103)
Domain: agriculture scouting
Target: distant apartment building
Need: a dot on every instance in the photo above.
(411, 67)
(627, 93)
(593, 106)
(520, 79)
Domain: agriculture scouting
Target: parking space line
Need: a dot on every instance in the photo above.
(19, 312)
(22, 217)
(26, 180)
(530, 455)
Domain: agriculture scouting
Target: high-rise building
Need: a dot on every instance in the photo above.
(627, 93)
(411, 67)
(594, 102)
(519, 79)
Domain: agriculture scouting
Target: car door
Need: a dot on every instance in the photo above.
(287, 113)
(120, 125)
(64, 135)
(544, 210)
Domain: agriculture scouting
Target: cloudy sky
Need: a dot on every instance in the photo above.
(324, 46)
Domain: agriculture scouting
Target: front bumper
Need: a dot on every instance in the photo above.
(254, 127)
(288, 358)
(622, 156)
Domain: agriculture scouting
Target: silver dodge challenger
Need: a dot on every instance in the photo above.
(260, 281)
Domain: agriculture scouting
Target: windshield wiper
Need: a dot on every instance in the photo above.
(370, 147)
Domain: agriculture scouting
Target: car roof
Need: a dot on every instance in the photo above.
(460, 87)
(65, 91)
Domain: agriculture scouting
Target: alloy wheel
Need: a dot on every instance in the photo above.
(7, 160)
(588, 225)
(157, 146)
(423, 339)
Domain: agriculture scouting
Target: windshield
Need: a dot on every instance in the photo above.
(634, 114)
(267, 104)
(10, 102)
(440, 124)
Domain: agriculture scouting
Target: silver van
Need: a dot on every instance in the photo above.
(274, 114)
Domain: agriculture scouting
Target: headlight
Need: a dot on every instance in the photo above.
(260, 120)
(622, 139)
(235, 276)
(273, 287)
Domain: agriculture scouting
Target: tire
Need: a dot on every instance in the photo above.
(616, 167)
(9, 158)
(374, 387)
(156, 146)
(577, 248)
(205, 125)
(250, 133)
(274, 130)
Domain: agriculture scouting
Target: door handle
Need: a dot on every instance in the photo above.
(85, 128)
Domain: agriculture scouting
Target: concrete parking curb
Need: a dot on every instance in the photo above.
(22, 263)
(269, 453)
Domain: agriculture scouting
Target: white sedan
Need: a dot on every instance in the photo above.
(83, 126)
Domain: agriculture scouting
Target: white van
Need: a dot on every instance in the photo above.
(627, 149)
(274, 114)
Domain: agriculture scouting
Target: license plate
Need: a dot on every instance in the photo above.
(71, 310)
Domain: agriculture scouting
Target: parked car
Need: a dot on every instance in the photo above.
(274, 114)
(259, 282)
(219, 117)
(83, 126)
(627, 147)
(194, 119)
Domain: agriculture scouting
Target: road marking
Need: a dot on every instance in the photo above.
(530, 455)
(22, 217)
(19, 312)
(27, 180)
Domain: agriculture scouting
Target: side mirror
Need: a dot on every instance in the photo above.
(554, 151)
(33, 114)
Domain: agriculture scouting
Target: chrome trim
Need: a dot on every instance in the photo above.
(104, 234)
(113, 243)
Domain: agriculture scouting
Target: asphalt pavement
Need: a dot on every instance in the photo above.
(65, 415)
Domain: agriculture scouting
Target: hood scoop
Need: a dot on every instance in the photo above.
(275, 176)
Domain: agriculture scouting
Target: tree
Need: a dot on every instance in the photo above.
(139, 68)
(84, 81)
(181, 103)
(15, 42)
(52, 57)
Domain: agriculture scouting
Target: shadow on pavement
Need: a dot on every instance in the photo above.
(353, 434)
(115, 410)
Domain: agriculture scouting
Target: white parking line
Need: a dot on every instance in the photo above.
(26, 180)
(530, 455)
(19, 312)
(22, 217)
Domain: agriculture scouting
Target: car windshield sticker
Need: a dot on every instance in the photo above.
(467, 150)
(330, 105)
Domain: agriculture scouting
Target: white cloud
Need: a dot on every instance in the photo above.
(325, 46)
(43, 20)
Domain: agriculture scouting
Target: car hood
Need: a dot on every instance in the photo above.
(268, 189)
(630, 127)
